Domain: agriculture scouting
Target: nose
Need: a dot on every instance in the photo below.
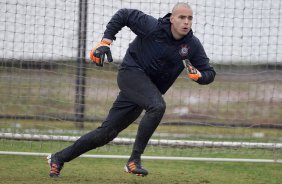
(186, 21)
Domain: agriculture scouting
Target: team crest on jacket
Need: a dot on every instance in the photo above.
(184, 50)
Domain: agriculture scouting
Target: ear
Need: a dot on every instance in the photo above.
(171, 18)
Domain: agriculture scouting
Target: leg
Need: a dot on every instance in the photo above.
(140, 90)
(121, 115)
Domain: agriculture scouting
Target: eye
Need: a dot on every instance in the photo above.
(186, 17)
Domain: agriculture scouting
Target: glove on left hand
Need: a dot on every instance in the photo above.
(192, 72)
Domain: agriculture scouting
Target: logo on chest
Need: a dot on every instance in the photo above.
(184, 50)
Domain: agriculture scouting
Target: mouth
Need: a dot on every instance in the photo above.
(185, 29)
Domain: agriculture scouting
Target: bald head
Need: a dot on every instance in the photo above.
(180, 5)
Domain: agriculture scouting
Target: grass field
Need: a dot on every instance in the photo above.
(34, 169)
(31, 169)
(231, 99)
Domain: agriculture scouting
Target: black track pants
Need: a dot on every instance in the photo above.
(137, 93)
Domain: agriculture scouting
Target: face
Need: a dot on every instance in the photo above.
(181, 22)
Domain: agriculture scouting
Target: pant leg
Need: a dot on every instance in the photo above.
(137, 92)
(121, 115)
(138, 88)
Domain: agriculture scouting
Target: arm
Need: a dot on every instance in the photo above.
(207, 76)
(141, 24)
(201, 62)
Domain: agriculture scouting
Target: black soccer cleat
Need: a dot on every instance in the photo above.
(55, 165)
(135, 167)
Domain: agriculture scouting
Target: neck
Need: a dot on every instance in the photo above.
(175, 35)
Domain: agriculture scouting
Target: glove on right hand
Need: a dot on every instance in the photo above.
(97, 54)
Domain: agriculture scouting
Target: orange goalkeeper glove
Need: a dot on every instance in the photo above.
(192, 72)
(97, 54)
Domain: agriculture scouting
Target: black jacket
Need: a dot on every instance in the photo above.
(155, 51)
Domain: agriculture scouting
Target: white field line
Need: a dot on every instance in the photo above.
(151, 157)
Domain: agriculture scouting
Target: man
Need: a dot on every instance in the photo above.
(152, 63)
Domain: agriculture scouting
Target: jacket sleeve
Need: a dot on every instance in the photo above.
(201, 62)
(140, 23)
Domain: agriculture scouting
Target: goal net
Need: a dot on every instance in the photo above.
(49, 87)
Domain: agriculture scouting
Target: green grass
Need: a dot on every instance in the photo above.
(31, 169)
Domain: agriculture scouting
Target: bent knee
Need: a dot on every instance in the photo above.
(158, 108)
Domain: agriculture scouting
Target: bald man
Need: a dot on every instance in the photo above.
(151, 64)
